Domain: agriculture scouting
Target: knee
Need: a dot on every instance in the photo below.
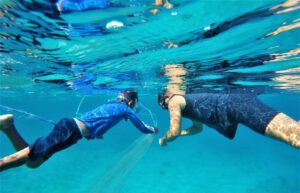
(296, 144)
(7, 119)
(34, 164)
(10, 116)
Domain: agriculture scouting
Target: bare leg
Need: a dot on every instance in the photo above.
(285, 129)
(22, 156)
(8, 128)
(14, 160)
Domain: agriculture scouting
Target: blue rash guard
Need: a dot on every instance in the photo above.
(104, 117)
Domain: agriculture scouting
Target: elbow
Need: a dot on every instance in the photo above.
(146, 131)
(149, 132)
(176, 133)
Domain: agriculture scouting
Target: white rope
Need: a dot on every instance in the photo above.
(79, 105)
(28, 114)
(154, 118)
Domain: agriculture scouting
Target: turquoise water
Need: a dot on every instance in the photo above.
(49, 63)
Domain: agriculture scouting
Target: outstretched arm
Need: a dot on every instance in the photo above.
(175, 123)
(176, 85)
(144, 128)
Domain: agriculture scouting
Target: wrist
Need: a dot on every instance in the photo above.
(162, 141)
(168, 136)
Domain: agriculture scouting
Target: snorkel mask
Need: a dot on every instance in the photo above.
(161, 99)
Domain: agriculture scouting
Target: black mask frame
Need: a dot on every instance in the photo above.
(162, 100)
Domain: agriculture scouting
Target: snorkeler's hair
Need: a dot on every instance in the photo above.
(128, 95)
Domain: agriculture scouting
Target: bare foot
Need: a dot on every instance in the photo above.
(168, 5)
(154, 11)
(6, 121)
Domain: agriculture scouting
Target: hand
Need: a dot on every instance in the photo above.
(156, 130)
(162, 141)
(168, 5)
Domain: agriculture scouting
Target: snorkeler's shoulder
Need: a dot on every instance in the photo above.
(177, 100)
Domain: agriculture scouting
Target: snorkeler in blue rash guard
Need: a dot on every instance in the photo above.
(101, 119)
(67, 132)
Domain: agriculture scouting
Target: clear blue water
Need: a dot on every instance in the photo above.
(49, 62)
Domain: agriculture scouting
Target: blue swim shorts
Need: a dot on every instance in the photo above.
(64, 134)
